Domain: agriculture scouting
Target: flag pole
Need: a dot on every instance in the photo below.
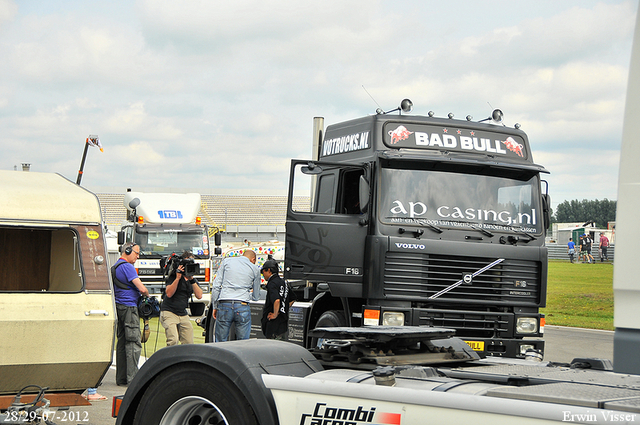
(92, 140)
(84, 156)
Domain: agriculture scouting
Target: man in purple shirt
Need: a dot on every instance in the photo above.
(127, 288)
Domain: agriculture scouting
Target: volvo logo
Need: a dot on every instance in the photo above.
(409, 245)
(467, 278)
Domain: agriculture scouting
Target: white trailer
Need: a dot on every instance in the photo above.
(57, 313)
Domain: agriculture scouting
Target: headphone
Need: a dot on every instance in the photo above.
(129, 249)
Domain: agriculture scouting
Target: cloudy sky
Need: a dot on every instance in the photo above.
(217, 95)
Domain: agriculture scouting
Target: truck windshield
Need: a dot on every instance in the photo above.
(163, 243)
(459, 200)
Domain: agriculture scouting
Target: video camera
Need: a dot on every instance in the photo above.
(148, 307)
(170, 264)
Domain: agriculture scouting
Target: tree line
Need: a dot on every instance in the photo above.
(599, 211)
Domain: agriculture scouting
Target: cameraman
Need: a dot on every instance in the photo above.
(173, 311)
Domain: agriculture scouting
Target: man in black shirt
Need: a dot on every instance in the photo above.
(276, 306)
(587, 243)
(173, 310)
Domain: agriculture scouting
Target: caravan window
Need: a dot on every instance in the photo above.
(39, 260)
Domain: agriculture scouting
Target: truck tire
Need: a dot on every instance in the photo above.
(210, 332)
(329, 319)
(193, 394)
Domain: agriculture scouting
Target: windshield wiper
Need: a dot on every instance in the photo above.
(420, 222)
(481, 230)
(430, 226)
(527, 234)
(514, 239)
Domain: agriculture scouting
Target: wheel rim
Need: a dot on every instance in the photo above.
(193, 410)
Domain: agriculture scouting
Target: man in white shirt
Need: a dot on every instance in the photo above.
(236, 283)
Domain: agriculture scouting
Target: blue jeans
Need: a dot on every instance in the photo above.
(229, 313)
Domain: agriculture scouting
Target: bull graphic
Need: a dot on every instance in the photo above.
(513, 146)
(400, 133)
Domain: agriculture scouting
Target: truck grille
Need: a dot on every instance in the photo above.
(469, 323)
(416, 277)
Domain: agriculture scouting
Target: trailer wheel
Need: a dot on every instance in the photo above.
(193, 394)
(328, 319)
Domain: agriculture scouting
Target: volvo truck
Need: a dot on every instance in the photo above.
(423, 221)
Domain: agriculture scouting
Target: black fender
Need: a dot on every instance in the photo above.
(322, 302)
(242, 362)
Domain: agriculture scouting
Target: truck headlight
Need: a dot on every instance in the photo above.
(526, 325)
(393, 318)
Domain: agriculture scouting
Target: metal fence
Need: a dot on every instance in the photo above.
(559, 252)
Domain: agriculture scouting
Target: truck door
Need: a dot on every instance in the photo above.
(326, 236)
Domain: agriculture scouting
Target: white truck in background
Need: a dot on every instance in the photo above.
(163, 224)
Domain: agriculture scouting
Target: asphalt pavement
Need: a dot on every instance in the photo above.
(99, 412)
(563, 344)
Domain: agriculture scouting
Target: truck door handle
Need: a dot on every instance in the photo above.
(96, 312)
(296, 267)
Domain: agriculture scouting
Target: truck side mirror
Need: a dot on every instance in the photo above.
(546, 211)
(217, 239)
(120, 237)
(134, 203)
(311, 169)
(364, 194)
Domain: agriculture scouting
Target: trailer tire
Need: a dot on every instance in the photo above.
(192, 393)
(329, 319)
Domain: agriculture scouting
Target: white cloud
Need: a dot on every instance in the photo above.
(8, 10)
(222, 94)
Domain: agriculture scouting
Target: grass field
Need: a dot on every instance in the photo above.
(158, 340)
(580, 295)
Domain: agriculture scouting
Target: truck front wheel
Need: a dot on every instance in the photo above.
(193, 394)
(328, 319)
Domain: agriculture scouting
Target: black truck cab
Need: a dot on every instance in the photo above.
(423, 221)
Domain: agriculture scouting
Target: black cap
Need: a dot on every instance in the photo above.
(270, 265)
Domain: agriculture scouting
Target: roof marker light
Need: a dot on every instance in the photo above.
(497, 115)
(451, 115)
(469, 117)
(495, 118)
(406, 105)
(431, 113)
